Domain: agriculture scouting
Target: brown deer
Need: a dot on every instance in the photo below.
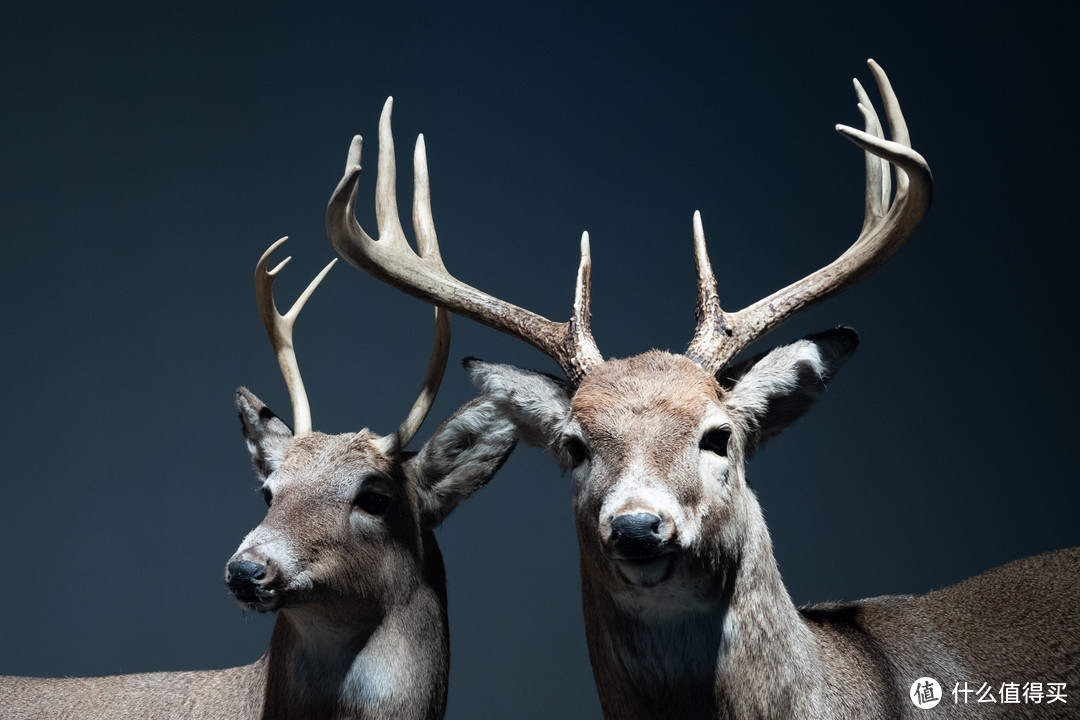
(685, 612)
(346, 557)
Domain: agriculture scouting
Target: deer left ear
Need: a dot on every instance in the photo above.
(775, 389)
(460, 458)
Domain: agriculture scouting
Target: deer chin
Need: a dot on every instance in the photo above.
(646, 572)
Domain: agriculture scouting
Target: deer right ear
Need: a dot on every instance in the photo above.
(773, 390)
(267, 435)
(537, 404)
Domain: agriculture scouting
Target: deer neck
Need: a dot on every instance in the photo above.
(770, 667)
(390, 664)
(728, 652)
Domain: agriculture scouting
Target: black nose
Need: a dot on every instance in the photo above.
(244, 575)
(636, 535)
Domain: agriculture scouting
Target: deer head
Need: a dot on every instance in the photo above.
(348, 529)
(656, 448)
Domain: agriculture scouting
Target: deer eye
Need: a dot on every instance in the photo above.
(577, 451)
(716, 441)
(267, 496)
(371, 502)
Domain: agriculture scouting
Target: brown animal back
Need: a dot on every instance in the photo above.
(1015, 624)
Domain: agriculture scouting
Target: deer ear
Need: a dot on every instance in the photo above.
(267, 435)
(460, 458)
(773, 390)
(538, 404)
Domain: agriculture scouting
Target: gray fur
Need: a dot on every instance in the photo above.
(266, 434)
(463, 454)
(537, 403)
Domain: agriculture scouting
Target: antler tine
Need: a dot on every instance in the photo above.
(386, 210)
(280, 330)
(424, 275)
(427, 243)
(712, 324)
(878, 177)
(440, 352)
(586, 354)
(720, 336)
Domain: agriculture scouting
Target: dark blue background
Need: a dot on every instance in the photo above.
(150, 155)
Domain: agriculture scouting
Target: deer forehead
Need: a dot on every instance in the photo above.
(656, 396)
(320, 464)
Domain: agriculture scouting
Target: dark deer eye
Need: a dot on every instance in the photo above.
(373, 503)
(716, 441)
(577, 451)
(267, 496)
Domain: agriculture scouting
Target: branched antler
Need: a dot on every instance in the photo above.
(721, 335)
(423, 274)
(280, 329)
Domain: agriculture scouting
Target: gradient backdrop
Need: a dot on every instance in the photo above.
(150, 155)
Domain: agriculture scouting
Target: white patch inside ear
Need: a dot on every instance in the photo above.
(269, 455)
(777, 374)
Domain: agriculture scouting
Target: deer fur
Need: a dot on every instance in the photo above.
(701, 625)
(361, 628)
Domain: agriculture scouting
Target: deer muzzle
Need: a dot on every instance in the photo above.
(640, 543)
(250, 583)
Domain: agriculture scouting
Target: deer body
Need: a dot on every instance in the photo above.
(346, 556)
(224, 693)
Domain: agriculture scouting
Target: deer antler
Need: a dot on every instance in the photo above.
(423, 274)
(279, 327)
(721, 335)
(440, 352)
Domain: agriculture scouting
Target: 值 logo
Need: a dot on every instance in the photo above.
(925, 693)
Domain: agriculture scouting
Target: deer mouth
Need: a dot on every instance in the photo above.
(259, 599)
(646, 571)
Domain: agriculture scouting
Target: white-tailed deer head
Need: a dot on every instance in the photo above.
(346, 552)
(656, 448)
(685, 612)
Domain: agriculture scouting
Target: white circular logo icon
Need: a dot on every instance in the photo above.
(925, 693)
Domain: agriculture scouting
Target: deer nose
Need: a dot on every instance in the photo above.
(243, 575)
(638, 535)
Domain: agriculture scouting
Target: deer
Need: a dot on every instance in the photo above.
(345, 557)
(685, 610)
